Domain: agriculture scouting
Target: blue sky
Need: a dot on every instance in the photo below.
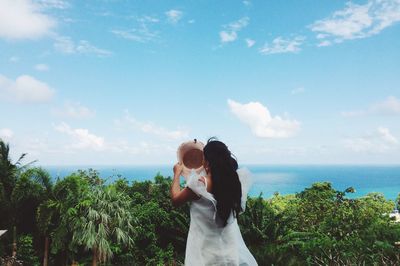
(125, 82)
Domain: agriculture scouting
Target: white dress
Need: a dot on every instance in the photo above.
(208, 242)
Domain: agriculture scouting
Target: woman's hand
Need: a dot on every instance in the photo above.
(180, 196)
(178, 167)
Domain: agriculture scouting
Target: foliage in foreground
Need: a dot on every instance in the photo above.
(321, 226)
(81, 220)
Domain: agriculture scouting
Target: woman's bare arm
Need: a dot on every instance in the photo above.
(178, 196)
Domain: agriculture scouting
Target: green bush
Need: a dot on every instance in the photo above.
(318, 226)
(26, 252)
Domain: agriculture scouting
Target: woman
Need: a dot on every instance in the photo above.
(217, 197)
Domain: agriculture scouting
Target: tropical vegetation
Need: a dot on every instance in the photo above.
(82, 220)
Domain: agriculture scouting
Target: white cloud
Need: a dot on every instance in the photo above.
(42, 67)
(82, 138)
(239, 24)
(352, 113)
(24, 89)
(231, 30)
(260, 121)
(151, 128)
(23, 19)
(362, 144)
(68, 145)
(297, 91)
(390, 106)
(74, 110)
(84, 47)
(65, 45)
(13, 59)
(280, 45)
(379, 141)
(142, 32)
(68, 46)
(138, 35)
(147, 19)
(324, 43)
(36, 146)
(386, 136)
(6, 134)
(141, 148)
(227, 36)
(58, 4)
(174, 16)
(250, 42)
(246, 2)
(357, 21)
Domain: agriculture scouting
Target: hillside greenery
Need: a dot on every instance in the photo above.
(80, 219)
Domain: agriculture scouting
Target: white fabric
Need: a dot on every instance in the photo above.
(208, 242)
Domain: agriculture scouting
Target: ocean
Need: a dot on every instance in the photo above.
(268, 179)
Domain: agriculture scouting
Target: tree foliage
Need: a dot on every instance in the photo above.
(103, 219)
(88, 221)
(322, 226)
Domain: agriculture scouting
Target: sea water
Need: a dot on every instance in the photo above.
(268, 179)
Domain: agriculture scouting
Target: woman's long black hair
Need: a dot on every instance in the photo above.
(226, 188)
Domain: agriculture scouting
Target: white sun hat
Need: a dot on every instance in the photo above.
(190, 155)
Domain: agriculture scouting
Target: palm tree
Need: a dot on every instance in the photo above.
(9, 172)
(58, 213)
(55, 213)
(45, 214)
(46, 210)
(104, 219)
